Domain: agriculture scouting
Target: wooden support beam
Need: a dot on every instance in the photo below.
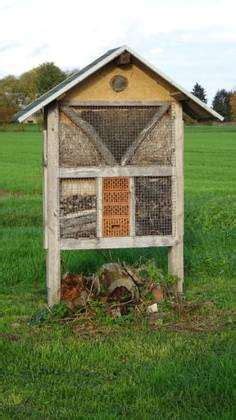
(132, 207)
(175, 257)
(45, 189)
(99, 207)
(179, 96)
(117, 242)
(134, 146)
(91, 133)
(53, 230)
(108, 171)
(77, 103)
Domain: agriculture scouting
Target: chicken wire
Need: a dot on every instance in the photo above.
(153, 206)
(118, 126)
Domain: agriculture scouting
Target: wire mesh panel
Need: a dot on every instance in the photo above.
(153, 206)
(78, 208)
(116, 206)
(76, 149)
(157, 147)
(118, 126)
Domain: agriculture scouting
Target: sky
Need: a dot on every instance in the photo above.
(191, 40)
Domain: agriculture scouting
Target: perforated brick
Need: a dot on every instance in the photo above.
(116, 206)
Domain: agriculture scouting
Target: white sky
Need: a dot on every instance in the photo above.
(191, 40)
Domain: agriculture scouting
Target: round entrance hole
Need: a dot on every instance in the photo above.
(119, 83)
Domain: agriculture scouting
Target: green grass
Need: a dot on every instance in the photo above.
(49, 371)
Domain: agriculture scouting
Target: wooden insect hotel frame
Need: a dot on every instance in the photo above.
(113, 160)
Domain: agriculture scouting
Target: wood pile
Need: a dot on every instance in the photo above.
(78, 216)
(117, 286)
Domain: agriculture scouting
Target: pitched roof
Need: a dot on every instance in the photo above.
(191, 104)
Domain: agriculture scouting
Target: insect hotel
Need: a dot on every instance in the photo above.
(113, 160)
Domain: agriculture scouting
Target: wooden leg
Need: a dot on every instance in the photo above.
(53, 230)
(53, 275)
(176, 264)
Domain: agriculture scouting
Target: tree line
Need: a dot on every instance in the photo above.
(17, 92)
(223, 101)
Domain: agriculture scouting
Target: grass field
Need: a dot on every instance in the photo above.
(49, 372)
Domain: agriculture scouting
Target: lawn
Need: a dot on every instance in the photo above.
(127, 370)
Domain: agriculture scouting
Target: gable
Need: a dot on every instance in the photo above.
(143, 85)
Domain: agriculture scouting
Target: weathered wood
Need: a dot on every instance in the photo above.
(77, 221)
(179, 96)
(78, 214)
(132, 207)
(124, 59)
(106, 171)
(73, 228)
(75, 103)
(91, 133)
(53, 253)
(175, 258)
(99, 207)
(45, 193)
(117, 242)
(131, 151)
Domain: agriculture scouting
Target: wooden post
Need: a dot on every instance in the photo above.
(99, 190)
(132, 207)
(53, 240)
(45, 180)
(175, 256)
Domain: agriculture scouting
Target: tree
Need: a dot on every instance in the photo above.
(221, 103)
(28, 85)
(9, 97)
(48, 76)
(199, 92)
(9, 85)
(8, 107)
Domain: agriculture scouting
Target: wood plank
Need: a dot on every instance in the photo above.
(99, 207)
(45, 193)
(91, 133)
(121, 242)
(108, 171)
(134, 146)
(53, 252)
(77, 103)
(179, 96)
(175, 257)
(123, 59)
(132, 207)
(80, 213)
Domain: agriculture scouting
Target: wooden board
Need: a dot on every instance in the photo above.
(175, 259)
(104, 171)
(125, 242)
(53, 252)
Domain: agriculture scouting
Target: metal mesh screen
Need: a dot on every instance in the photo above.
(78, 208)
(118, 127)
(153, 206)
(116, 206)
